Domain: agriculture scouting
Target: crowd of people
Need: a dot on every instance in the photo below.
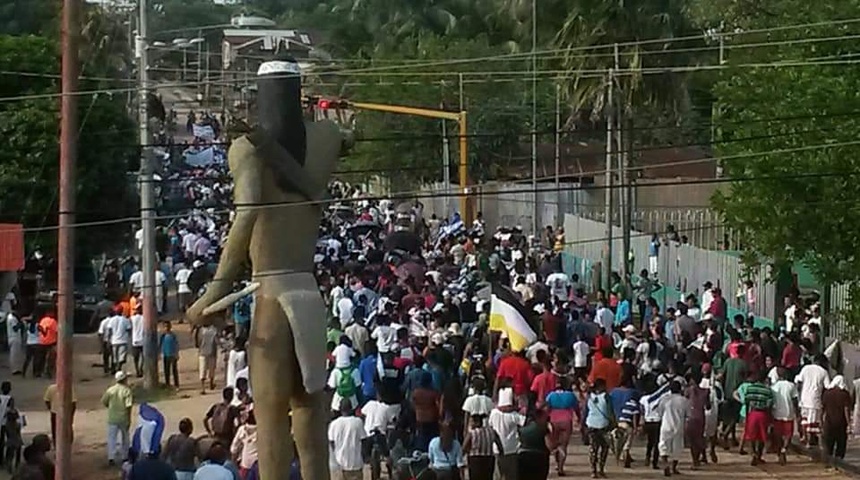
(422, 387)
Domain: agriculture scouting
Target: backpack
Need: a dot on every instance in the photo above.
(222, 420)
(345, 384)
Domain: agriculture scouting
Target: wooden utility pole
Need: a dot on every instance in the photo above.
(66, 240)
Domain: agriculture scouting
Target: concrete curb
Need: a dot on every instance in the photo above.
(815, 455)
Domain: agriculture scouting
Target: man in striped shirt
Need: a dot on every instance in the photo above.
(759, 402)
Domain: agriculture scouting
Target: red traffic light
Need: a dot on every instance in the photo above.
(324, 104)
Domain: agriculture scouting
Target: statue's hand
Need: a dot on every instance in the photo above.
(196, 317)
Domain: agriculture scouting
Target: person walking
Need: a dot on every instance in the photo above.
(137, 329)
(599, 422)
(563, 408)
(784, 411)
(244, 447)
(478, 448)
(674, 410)
(118, 400)
(181, 449)
(48, 335)
(169, 346)
(700, 402)
(345, 435)
(446, 455)
(837, 414)
(533, 458)
(221, 419)
(15, 339)
(120, 338)
(506, 422)
(207, 356)
(32, 348)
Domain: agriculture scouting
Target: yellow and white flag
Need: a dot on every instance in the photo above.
(508, 315)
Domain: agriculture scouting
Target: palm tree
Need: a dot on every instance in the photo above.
(642, 31)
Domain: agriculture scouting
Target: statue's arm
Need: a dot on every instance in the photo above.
(247, 198)
(247, 171)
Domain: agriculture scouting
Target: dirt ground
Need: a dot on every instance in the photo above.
(90, 454)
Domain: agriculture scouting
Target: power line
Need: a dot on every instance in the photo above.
(419, 194)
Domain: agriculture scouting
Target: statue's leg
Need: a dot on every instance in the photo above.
(309, 412)
(274, 377)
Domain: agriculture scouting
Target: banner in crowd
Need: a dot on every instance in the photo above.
(508, 315)
(199, 157)
(206, 132)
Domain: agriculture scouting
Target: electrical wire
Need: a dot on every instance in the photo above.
(418, 194)
(525, 55)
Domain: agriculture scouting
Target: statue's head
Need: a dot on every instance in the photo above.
(279, 104)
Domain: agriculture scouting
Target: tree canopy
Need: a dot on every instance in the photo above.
(29, 124)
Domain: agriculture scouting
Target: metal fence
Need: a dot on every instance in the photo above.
(683, 268)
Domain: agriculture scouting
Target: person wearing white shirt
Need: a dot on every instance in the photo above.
(784, 410)
(182, 288)
(237, 359)
(188, 242)
(160, 284)
(581, 350)
(674, 409)
(135, 281)
(343, 355)
(120, 330)
(137, 340)
(506, 422)
(812, 380)
(345, 436)
(106, 349)
(344, 310)
(558, 284)
(379, 416)
(604, 317)
(15, 339)
(707, 296)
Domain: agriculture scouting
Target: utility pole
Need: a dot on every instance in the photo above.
(536, 209)
(559, 214)
(608, 181)
(147, 210)
(66, 240)
(446, 167)
(623, 175)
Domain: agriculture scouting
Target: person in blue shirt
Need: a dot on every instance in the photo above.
(599, 417)
(625, 404)
(242, 316)
(563, 408)
(169, 345)
(446, 455)
(367, 370)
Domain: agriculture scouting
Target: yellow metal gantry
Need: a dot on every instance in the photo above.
(460, 118)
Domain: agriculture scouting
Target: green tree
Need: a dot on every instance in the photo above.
(791, 130)
(29, 159)
(409, 149)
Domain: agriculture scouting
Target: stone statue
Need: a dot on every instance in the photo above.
(281, 170)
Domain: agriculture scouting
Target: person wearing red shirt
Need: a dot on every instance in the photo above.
(791, 355)
(515, 367)
(607, 369)
(546, 381)
(551, 325)
(600, 344)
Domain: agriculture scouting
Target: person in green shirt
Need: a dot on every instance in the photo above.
(118, 400)
(739, 395)
(334, 332)
(734, 373)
